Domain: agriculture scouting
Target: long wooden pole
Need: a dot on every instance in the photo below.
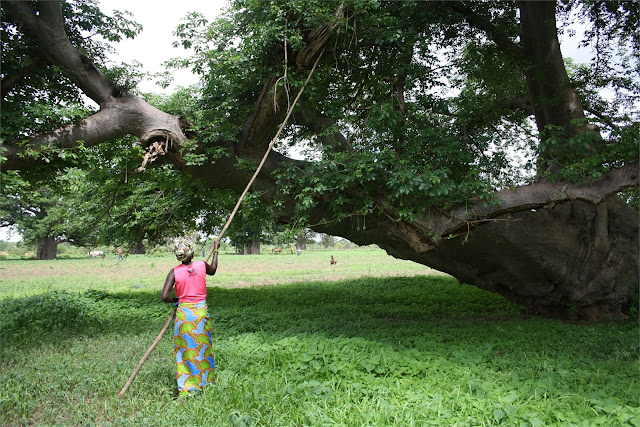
(264, 158)
(224, 229)
(146, 355)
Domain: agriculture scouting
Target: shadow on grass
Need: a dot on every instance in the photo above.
(409, 312)
(61, 258)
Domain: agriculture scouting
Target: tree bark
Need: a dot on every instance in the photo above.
(252, 247)
(127, 115)
(566, 260)
(47, 248)
(251, 239)
(120, 113)
(571, 259)
(555, 102)
(138, 249)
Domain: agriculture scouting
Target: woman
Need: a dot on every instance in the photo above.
(195, 366)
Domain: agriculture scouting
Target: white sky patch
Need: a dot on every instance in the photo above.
(153, 46)
(9, 234)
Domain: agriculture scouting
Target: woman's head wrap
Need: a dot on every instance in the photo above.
(183, 249)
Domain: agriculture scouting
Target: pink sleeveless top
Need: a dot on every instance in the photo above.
(191, 282)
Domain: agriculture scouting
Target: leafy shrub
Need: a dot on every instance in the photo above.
(55, 309)
(89, 311)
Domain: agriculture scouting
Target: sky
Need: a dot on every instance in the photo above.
(153, 46)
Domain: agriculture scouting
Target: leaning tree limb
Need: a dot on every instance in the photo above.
(121, 112)
(539, 195)
(126, 115)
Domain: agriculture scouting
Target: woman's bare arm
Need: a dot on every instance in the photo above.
(168, 286)
(211, 269)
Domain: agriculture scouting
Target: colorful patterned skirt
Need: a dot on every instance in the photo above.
(195, 366)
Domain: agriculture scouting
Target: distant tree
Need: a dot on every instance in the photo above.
(301, 241)
(327, 241)
(303, 236)
(44, 213)
(251, 225)
(31, 217)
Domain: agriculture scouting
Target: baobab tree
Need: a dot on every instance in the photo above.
(452, 134)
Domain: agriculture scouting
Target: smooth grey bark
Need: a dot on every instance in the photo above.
(47, 248)
(138, 249)
(120, 113)
(252, 247)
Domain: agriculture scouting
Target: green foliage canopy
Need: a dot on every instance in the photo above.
(434, 110)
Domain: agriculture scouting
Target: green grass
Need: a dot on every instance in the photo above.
(373, 342)
(146, 273)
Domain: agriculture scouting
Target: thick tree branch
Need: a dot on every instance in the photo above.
(538, 196)
(121, 112)
(261, 125)
(319, 124)
(602, 118)
(130, 115)
(480, 22)
(262, 115)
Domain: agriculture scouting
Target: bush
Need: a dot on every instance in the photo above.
(89, 311)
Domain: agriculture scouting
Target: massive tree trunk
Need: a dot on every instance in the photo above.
(47, 248)
(252, 247)
(566, 260)
(138, 249)
(559, 248)
(565, 257)
(252, 240)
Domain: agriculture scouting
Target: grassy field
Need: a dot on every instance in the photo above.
(371, 341)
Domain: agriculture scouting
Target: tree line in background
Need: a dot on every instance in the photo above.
(267, 244)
